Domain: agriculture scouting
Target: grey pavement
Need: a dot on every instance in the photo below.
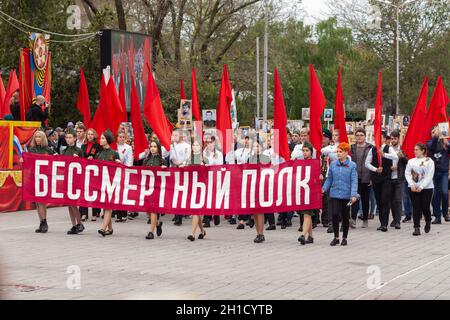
(225, 265)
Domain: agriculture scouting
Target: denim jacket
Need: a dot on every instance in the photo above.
(342, 180)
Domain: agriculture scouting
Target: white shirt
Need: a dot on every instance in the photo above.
(274, 158)
(242, 155)
(79, 143)
(213, 160)
(180, 153)
(395, 163)
(391, 155)
(297, 153)
(419, 172)
(125, 154)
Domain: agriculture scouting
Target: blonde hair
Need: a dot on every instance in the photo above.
(44, 141)
(304, 131)
(94, 132)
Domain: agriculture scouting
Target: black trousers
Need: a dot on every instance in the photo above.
(85, 212)
(421, 205)
(326, 214)
(243, 217)
(270, 218)
(383, 196)
(120, 213)
(340, 210)
(209, 218)
(396, 199)
(364, 192)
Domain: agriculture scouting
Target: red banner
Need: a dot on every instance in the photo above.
(226, 189)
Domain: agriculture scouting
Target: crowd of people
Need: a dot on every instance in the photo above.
(356, 178)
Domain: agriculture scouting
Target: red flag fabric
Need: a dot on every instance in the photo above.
(317, 105)
(140, 138)
(195, 103)
(280, 119)
(415, 133)
(83, 100)
(25, 85)
(122, 97)
(378, 115)
(182, 91)
(13, 85)
(223, 121)
(2, 92)
(437, 111)
(154, 113)
(339, 112)
(116, 112)
(100, 122)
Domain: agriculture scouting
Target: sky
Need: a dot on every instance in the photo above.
(315, 10)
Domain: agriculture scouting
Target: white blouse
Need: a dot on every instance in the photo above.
(125, 154)
(419, 172)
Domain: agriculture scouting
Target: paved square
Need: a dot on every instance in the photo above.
(225, 265)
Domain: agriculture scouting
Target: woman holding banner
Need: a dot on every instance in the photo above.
(73, 151)
(126, 157)
(107, 154)
(342, 181)
(90, 150)
(154, 159)
(212, 156)
(39, 145)
(196, 159)
(306, 236)
(259, 158)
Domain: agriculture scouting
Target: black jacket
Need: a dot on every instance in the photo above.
(439, 154)
(386, 164)
(36, 114)
(93, 152)
(401, 168)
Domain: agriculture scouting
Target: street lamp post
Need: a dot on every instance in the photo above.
(266, 58)
(397, 36)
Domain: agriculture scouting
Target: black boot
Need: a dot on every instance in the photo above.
(416, 232)
(44, 227)
(39, 230)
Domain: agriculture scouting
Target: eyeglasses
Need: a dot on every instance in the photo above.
(359, 135)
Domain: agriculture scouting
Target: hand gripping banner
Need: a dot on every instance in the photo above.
(192, 190)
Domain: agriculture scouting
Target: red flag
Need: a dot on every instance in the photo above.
(414, 133)
(317, 105)
(339, 112)
(25, 85)
(140, 139)
(223, 122)
(195, 103)
(116, 112)
(2, 92)
(182, 91)
(154, 113)
(100, 122)
(83, 100)
(280, 119)
(122, 97)
(378, 112)
(13, 85)
(437, 111)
